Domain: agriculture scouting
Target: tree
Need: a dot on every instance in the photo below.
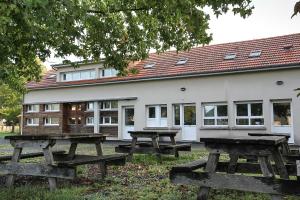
(119, 31)
(10, 106)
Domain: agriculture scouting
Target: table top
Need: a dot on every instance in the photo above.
(287, 135)
(262, 140)
(153, 132)
(55, 137)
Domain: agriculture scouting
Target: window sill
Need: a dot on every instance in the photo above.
(51, 111)
(32, 125)
(214, 128)
(162, 128)
(108, 125)
(249, 128)
(49, 125)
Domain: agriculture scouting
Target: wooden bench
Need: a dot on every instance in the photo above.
(103, 161)
(29, 155)
(197, 164)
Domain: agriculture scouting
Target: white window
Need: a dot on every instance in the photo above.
(78, 75)
(32, 121)
(90, 106)
(33, 108)
(51, 121)
(109, 105)
(157, 116)
(109, 120)
(52, 107)
(109, 72)
(89, 121)
(249, 114)
(215, 115)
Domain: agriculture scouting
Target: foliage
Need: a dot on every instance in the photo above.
(10, 105)
(118, 31)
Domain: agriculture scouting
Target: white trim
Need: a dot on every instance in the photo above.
(249, 116)
(215, 117)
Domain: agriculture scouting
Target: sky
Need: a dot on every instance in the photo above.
(269, 18)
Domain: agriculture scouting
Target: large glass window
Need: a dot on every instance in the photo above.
(51, 121)
(157, 116)
(282, 114)
(249, 114)
(78, 75)
(177, 114)
(189, 115)
(109, 120)
(109, 72)
(51, 107)
(215, 115)
(90, 106)
(89, 121)
(33, 108)
(32, 121)
(129, 116)
(109, 105)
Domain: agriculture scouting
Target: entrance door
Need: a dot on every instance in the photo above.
(282, 118)
(128, 122)
(189, 131)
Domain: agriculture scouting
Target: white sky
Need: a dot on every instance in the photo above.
(269, 18)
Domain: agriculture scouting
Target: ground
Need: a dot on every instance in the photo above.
(143, 178)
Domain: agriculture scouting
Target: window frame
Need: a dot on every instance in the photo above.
(32, 124)
(51, 106)
(102, 121)
(32, 110)
(112, 72)
(87, 121)
(71, 74)
(110, 105)
(249, 116)
(50, 124)
(157, 120)
(88, 108)
(215, 117)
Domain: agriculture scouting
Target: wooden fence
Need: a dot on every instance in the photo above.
(9, 128)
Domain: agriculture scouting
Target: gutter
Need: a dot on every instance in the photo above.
(188, 75)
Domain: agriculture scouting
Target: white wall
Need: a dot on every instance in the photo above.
(223, 88)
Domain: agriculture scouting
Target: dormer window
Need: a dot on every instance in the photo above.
(230, 56)
(182, 61)
(255, 53)
(51, 76)
(78, 75)
(109, 72)
(149, 65)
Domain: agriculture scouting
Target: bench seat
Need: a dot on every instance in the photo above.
(189, 166)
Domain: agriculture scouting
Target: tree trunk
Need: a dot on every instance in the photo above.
(13, 128)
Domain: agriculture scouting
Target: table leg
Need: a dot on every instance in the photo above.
(72, 151)
(133, 145)
(211, 166)
(50, 161)
(298, 169)
(15, 158)
(280, 164)
(156, 146)
(102, 165)
(267, 170)
(232, 163)
(99, 149)
(172, 138)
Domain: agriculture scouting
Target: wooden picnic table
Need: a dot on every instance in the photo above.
(58, 164)
(264, 148)
(153, 146)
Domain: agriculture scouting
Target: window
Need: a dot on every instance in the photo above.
(52, 107)
(32, 121)
(109, 120)
(90, 106)
(51, 121)
(189, 115)
(282, 114)
(249, 114)
(78, 75)
(89, 121)
(109, 105)
(255, 53)
(72, 121)
(157, 116)
(149, 65)
(182, 61)
(73, 107)
(109, 72)
(79, 121)
(33, 108)
(215, 115)
(230, 56)
(177, 114)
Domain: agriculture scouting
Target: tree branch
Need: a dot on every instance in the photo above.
(119, 10)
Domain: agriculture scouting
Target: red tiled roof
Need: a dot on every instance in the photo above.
(203, 60)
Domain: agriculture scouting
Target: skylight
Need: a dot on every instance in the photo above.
(288, 47)
(255, 53)
(149, 65)
(181, 61)
(230, 56)
(52, 76)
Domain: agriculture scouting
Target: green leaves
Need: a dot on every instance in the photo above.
(118, 31)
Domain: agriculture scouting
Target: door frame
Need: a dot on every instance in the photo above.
(292, 117)
(123, 120)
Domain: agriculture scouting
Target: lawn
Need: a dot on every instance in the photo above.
(143, 178)
(5, 133)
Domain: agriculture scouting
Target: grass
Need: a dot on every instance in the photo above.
(5, 133)
(144, 178)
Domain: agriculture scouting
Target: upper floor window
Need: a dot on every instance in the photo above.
(215, 115)
(33, 108)
(108, 120)
(32, 121)
(89, 121)
(109, 72)
(249, 114)
(51, 121)
(52, 107)
(109, 105)
(157, 116)
(90, 106)
(78, 75)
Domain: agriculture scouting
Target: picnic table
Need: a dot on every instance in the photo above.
(58, 164)
(221, 175)
(153, 146)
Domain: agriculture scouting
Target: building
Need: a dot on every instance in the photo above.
(232, 88)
